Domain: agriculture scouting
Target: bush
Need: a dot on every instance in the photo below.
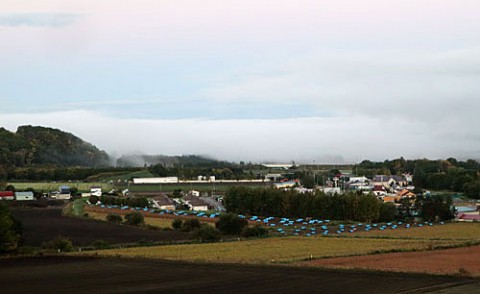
(256, 231)
(113, 217)
(100, 244)
(190, 225)
(61, 244)
(231, 224)
(134, 218)
(177, 224)
(93, 199)
(206, 233)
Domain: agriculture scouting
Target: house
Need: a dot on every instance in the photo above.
(331, 190)
(285, 185)
(406, 194)
(64, 190)
(466, 217)
(390, 182)
(24, 196)
(389, 199)
(163, 202)
(7, 195)
(63, 196)
(194, 193)
(379, 190)
(96, 191)
(195, 203)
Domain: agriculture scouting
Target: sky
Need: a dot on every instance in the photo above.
(324, 81)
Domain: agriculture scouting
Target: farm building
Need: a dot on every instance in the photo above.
(7, 195)
(194, 193)
(96, 191)
(285, 185)
(469, 217)
(24, 196)
(64, 190)
(163, 202)
(195, 203)
(164, 180)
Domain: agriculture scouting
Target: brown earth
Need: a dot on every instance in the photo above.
(44, 224)
(62, 274)
(463, 261)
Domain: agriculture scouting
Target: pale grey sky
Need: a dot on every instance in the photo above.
(252, 80)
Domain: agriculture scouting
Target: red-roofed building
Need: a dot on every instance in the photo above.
(466, 217)
(7, 195)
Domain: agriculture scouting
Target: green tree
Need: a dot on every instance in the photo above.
(190, 225)
(10, 230)
(177, 224)
(113, 217)
(61, 244)
(435, 208)
(388, 212)
(206, 233)
(231, 224)
(134, 218)
(255, 231)
(308, 182)
(93, 199)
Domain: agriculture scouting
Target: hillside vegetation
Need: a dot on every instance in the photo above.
(46, 146)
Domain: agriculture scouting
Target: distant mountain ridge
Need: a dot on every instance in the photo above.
(35, 145)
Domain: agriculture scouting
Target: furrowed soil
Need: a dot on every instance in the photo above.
(60, 274)
(44, 224)
(460, 261)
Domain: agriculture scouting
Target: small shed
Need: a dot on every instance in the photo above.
(24, 196)
(7, 195)
(64, 190)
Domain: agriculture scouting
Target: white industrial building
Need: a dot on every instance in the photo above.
(162, 180)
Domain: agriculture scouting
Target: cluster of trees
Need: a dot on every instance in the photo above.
(450, 174)
(134, 218)
(120, 201)
(434, 208)
(349, 206)
(233, 224)
(229, 224)
(274, 202)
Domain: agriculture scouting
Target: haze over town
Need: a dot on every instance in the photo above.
(323, 81)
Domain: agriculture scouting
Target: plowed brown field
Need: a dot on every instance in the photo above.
(464, 261)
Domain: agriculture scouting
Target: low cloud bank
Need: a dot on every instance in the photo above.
(323, 140)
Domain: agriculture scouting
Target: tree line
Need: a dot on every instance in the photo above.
(274, 202)
(349, 206)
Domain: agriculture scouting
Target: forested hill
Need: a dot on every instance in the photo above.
(46, 146)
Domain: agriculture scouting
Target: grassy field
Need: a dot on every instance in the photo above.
(276, 250)
(187, 187)
(156, 222)
(153, 221)
(457, 231)
(53, 186)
